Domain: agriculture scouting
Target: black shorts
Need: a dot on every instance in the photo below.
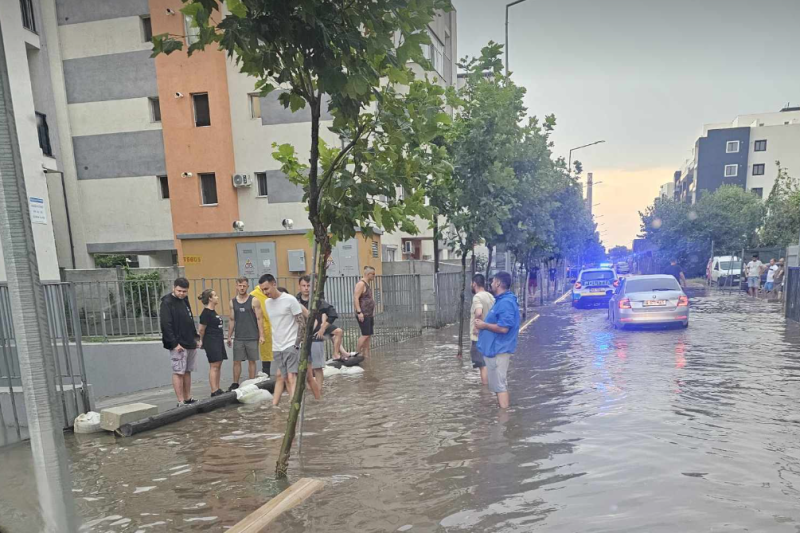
(215, 349)
(367, 326)
(477, 356)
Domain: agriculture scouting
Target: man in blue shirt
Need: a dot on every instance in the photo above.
(497, 339)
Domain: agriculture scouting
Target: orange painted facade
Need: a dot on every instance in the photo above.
(188, 148)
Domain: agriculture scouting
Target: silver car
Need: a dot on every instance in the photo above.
(656, 299)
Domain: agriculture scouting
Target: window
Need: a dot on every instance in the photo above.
(761, 146)
(155, 110)
(202, 115)
(434, 53)
(147, 29)
(28, 21)
(163, 187)
(44, 134)
(208, 189)
(731, 171)
(732, 147)
(758, 170)
(375, 249)
(261, 181)
(192, 31)
(758, 191)
(255, 105)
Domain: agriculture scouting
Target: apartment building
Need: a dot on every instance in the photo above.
(742, 152)
(155, 159)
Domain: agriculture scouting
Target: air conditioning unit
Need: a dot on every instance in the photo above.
(242, 180)
(408, 247)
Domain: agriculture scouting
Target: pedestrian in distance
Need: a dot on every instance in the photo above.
(212, 338)
(288, 319)
(780, 277)
(329, 315)
(753, 270)
(677, 272)
(245, 331)
(179, 336)
(265, 348)
(482, 303)
(497, 339)
(772, 270)
(365, 311)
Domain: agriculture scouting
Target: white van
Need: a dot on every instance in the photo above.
(726, 270)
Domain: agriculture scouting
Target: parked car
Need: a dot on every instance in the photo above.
(594, 286)
(623, 268)
(652, 299)
(726, 270)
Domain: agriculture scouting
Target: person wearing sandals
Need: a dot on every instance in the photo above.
(212, 338)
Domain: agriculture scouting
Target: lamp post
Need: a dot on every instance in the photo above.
(508, 6)
(569, 164)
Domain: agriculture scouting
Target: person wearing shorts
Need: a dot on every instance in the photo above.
(245, 331)
(497, 339)
(365, 310)
(482, 303)
(322, 329)
(754, 270)
(179, 336)
(212, 338)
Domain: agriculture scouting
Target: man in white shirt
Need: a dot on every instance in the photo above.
(482, 303)
(288, 319)
(772, 269)
(754, 270)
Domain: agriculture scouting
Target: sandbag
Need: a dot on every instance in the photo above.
(328, 371)
(254, 381)
(253, 396)
(87, 423)
(351, 370)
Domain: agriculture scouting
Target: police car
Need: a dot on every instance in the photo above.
(594, 286)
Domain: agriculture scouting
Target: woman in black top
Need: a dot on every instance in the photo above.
(212, 338)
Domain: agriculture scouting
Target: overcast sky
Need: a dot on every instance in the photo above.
(644, 75)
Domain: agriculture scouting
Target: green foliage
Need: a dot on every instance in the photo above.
(142, 292)
(110, 261)
(618, 253)
(782, 222)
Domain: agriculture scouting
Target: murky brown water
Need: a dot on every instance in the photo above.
(679, 430)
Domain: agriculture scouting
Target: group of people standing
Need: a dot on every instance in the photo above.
(755, 269)
(266, 324)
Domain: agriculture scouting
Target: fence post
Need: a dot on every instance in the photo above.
(416, 302)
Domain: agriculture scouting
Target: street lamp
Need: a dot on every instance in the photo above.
(507, 6)
(569, 164)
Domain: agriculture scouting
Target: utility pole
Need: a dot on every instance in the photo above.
(589, 179)
(508, 6)
(36, 357)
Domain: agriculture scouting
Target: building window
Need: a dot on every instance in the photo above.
(208, 189)
(731, 171)
(261, 181)
(44, 134)
(758, 170)
(163, 187)
(732, 147)
(155, 110)
(28, 22)
(758, 191)
(434, 52)
(255, 105)
(192, 31)
(147, 29)
(375, 252)
(202, 115)
(761, 146)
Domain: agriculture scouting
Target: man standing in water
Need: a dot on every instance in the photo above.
(482, 303)
(754, 269)
(179, 336)
(288, 330)
(497, 339)
(246, 328)
(265, 348)
(329, 315)
(365, 310)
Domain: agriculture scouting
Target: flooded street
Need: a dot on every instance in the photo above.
(668, 430)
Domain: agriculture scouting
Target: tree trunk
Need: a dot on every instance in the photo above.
(435, 244)
(322, 242)
(461, 301)
(489, 263)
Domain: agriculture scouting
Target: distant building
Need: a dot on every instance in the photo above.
(742, 152)
(667, 191)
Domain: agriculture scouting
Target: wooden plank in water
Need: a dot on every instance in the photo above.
(256, 521)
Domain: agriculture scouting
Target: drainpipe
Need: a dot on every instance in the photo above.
(66, 210)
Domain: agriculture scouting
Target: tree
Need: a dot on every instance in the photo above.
(351, 54)
(782, 221)
(618, 253)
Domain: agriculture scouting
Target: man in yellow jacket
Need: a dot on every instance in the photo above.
(266, 346)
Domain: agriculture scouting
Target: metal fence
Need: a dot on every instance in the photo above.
(448, 298)
(793, 293)
(65, 334)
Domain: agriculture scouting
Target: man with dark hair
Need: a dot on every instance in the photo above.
(482, 303)
(365, 310)
(265, 348)
(179, 336)
(245, 331)
(329, 315)
(497, 339)
(754, 269)
(675, 271)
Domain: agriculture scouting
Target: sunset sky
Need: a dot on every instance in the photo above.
(642, 75)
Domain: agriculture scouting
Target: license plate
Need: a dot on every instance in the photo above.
(597, 292)
(655, 303)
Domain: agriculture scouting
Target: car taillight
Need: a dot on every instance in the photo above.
(577, 284)
(616, 283)
(683, 301)
(625, 303)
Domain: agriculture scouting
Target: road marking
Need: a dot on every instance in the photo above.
(563, 297)
(528, 323)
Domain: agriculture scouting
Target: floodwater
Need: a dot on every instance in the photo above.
(659, 431)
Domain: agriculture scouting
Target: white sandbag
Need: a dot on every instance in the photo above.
(88, 423)
(252, 394)
(352, 370)
(328, 371)
(254, 381)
